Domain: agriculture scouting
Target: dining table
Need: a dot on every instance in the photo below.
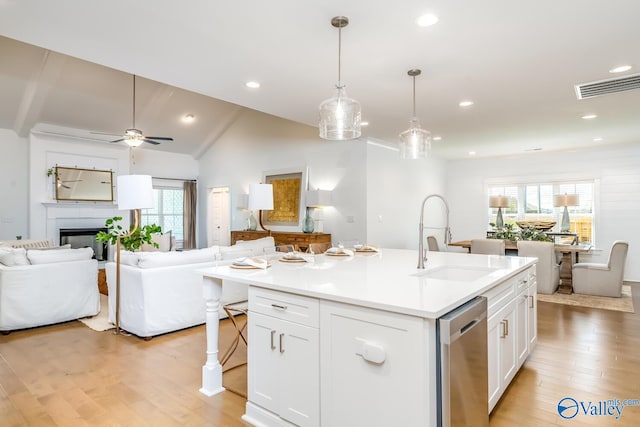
(570, 256)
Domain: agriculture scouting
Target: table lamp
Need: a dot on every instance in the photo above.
(134, 192)
(499, 202)
(564, 200)
(260, 198)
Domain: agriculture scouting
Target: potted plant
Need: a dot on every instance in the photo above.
(130, 243)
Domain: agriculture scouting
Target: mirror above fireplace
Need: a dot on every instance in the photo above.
(84, 184)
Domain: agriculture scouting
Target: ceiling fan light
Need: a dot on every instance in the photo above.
(415, 142)
(133, 142)
(340, 117)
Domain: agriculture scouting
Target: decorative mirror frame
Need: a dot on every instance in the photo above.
(89, 185)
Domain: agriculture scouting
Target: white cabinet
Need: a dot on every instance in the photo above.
(284, 366)
(532, 292)
(378, 368)
(510, 324)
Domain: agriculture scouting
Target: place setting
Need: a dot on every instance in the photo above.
(293, 257)
(249, 263)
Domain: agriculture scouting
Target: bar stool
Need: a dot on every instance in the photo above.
(235, 309)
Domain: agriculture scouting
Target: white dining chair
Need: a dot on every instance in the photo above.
(488, 246)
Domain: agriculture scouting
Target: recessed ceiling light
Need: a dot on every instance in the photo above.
(597, 139)
(188, 118)
(465, 103)
(252, 85)
(620, 69)
(427, 20)
(589, 116)
(437, 138)
(364, 123)
(472, 153)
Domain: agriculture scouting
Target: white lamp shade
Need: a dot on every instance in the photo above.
(561, 200)
(318, 198)
(260, 197)
(498, 202)
(134, 141)
(135, 192)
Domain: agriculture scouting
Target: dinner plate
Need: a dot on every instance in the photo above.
(336, 254)
(292, 260)
(247, 267)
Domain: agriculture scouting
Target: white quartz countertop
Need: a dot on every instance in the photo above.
(387, 280)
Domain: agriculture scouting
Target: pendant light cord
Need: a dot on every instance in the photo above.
(414, 97)
(339, 56)
(134, 101)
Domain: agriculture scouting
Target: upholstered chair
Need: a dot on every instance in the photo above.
(602, 279)
(547, 269)
(432, 244)
(487, 246)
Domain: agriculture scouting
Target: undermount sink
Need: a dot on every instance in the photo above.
(455, 273)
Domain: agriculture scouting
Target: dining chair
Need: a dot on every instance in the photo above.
(432, 244)
(286, 248)
(602, 279)
(547, 268)
(487, 246)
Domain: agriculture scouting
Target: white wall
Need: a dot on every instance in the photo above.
(617, 202)
(258, 142)
(395, 191)
(14, 188)
(47, 151)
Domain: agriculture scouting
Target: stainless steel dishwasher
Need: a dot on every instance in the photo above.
(462, 366)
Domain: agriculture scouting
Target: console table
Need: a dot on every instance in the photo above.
(299, 239)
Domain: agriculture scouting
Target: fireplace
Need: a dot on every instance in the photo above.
(83, 238)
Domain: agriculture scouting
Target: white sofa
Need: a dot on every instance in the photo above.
(43, 287)
(161, 292)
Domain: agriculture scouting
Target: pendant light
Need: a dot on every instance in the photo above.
(415, 142)
(340, 116)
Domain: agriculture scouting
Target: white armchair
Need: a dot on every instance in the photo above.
(602, 279)
(547, 269)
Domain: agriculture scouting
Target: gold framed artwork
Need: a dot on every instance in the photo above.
(288, 188)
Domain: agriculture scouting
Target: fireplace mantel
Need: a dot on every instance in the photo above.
(98, 205)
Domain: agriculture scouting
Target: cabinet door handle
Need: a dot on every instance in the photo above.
(279, 307)
(281, 343)
(504, 329)
(506, 323)
(273, 344)
(530, 301)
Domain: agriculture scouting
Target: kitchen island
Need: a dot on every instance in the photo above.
(352, 340)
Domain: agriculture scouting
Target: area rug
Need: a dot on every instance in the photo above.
(100, 322)
(624, 303)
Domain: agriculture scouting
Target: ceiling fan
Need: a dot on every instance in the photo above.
(134, 137)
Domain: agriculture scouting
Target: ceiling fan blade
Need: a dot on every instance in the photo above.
(151, 141)
(161, 138)
(103, 133)
(118, 140)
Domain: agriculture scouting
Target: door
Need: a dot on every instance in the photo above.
(533, 316)
(522, 325)
(263, 360)
(218, 217)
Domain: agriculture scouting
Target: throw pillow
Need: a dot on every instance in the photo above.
(40, 256)
(13, 256)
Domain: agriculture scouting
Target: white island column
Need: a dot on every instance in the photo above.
(212, 370)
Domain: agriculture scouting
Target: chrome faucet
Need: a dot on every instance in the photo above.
(422, 253)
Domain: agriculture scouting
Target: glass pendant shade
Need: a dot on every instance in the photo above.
(340, 117)
(415, 142)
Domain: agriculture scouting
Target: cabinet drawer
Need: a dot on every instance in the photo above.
(521, 281)
(500, 296)
(281, 305)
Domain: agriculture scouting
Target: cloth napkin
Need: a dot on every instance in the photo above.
(253, 262)
(293, 256)
(339, 250)
(366, 248)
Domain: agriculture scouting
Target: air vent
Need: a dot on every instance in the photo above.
(604, 87)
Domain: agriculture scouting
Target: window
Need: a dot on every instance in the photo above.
(534, 202)
(168, 211)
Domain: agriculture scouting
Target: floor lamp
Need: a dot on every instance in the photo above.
(564, 200)
(261, 198)
(134, 192)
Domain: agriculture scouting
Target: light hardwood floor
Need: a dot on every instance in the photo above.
(68, 375)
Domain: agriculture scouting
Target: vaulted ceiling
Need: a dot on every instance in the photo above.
(70, 65)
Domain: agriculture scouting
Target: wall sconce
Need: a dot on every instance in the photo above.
(317, 199)
(564, 200)
(499, 202)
